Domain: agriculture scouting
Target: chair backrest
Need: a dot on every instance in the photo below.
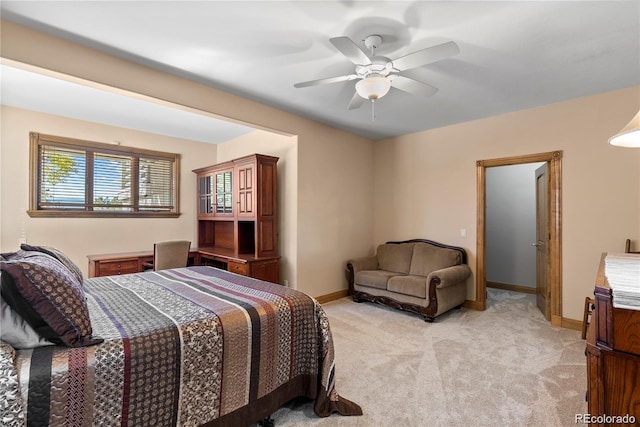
(627, 248)
(170, 254)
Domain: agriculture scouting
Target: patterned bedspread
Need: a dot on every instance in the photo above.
(185, 347)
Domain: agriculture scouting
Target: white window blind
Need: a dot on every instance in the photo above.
(62, 178)
(156, 189)
(112, 182)
(81, 178)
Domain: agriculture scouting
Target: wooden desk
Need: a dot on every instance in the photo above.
(613, 356)
(132, 262)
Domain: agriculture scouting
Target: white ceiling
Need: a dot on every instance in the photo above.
(513, 54)
(32, 91)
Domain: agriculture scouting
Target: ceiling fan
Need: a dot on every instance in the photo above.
(377, 74)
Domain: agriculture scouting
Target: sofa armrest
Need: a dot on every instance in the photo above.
(367, 263)
(359, 264)
(449, 276)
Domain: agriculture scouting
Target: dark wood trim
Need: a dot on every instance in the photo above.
(323, 299)
(510, 287)
(554, 273)
(101, 146)
(427, 313)
(573, 324)
(481, 286)
(440, 245)
(100, 214)
(473, 305)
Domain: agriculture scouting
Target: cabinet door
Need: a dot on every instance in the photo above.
(223, 181)
(246, 190)
(205, 195)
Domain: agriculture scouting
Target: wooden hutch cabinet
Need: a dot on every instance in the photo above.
(613, 357)
(237, 222)
(237, 216)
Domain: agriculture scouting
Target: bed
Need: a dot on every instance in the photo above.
(186, 347)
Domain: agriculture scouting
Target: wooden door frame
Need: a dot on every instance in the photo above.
(554, 272)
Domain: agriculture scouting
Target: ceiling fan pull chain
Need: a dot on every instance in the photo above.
(373, 110)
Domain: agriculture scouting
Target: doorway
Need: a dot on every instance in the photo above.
(510, 227)
(553, 265)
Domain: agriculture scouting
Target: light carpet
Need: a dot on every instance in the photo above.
(503, 366)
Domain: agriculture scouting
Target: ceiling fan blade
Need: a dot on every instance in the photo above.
(356, 101)
(350, 50)
(412, 86)
(326, 81)
(426, 56)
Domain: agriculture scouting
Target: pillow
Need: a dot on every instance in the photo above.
(49, 298)
(57, 254)
(15, 331)
(7, 256)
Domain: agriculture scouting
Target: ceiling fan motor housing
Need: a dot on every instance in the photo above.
(379, 65)
(372, 42)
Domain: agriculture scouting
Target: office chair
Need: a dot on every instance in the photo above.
(627, 248)
(170, 254)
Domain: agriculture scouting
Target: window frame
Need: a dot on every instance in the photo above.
(36, 140)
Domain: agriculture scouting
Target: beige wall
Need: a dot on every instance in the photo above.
(79, 237)
(334, 170)
(426, 182)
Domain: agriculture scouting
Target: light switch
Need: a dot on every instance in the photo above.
(463, 232)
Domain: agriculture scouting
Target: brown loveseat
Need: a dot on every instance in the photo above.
(421, 276)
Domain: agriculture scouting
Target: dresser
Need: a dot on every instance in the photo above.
(613, 357)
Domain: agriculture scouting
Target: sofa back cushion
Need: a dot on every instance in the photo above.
(395, 257)
(427, 258)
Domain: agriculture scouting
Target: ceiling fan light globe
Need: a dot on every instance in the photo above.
(373, 87)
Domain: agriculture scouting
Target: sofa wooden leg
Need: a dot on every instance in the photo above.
(429, 319)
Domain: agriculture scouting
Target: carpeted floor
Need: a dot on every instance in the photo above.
(505, 366)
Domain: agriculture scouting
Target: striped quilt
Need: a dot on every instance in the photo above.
(184, 347)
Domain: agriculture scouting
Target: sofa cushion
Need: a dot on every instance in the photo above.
(427, 258)
(374, 278)
(415, 286)
(395, 257)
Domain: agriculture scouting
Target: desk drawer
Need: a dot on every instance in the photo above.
(238, 268)
(112, 268)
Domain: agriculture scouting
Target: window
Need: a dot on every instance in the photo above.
(75, 178)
